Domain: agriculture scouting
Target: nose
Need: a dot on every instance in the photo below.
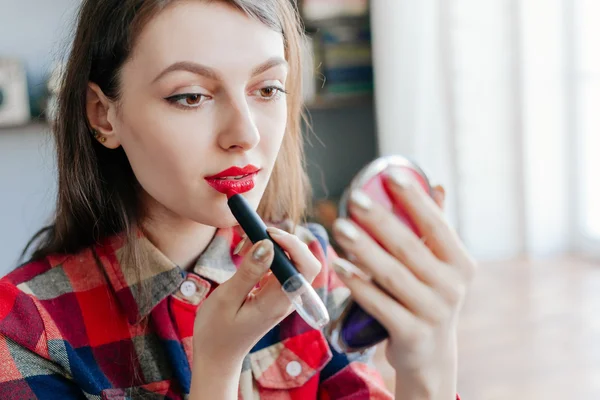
(238, 129)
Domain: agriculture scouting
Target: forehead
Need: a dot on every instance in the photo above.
(211, 33)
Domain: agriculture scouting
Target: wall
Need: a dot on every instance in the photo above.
(27, 188)
(36, 32)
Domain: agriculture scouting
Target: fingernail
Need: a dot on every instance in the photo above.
(361, 199)
(349, 270)
(346, 228)
(239, 246)
(276, 231)
(440, 192)
(402, 180)
(261, 252)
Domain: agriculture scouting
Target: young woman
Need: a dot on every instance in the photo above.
(143, 285)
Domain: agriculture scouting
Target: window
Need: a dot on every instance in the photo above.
(586, 79)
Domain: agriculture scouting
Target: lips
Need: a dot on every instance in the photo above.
(235, 172)
(234, 180)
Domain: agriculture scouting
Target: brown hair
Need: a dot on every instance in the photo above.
(98, 193)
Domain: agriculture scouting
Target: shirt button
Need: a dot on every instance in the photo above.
(188, 288)
(293, 368)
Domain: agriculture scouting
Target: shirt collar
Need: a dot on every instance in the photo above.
(138, 292)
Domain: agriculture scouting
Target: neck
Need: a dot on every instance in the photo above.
(181, 240)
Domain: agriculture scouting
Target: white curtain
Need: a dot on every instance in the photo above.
(410, 88)
(481, 94)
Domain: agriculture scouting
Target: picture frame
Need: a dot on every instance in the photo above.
(14, 95)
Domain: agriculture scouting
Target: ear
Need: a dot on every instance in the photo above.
(99, 109)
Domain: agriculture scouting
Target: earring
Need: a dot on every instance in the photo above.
(97, 136)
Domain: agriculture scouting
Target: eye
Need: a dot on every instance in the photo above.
(187, 100)
(270, 92)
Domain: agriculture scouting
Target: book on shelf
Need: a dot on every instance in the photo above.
(346, 60)
(338, 62)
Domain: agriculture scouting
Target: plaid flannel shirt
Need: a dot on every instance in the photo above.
(70, 328)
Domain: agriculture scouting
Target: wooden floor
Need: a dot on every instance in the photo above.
(530, 331)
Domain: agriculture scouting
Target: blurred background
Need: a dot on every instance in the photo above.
(495, 99)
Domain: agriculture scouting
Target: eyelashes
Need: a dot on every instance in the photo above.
(272, 92)
(192, 101)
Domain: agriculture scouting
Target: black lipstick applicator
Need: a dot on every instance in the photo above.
(301, 293)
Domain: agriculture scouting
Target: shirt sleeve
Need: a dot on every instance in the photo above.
(26, 368)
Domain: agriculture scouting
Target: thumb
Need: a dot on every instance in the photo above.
(252, 268)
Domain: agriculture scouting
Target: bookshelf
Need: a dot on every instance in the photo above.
(338, 70)
(313, 26)
(324, 103)
(340, 101)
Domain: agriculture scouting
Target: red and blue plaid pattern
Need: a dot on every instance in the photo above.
(75, 326)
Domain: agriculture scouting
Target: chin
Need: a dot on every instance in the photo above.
(227, 221)
(219, 215)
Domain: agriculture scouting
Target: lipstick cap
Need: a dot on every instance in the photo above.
(307, 302)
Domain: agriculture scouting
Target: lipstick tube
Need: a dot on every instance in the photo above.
(299, 291)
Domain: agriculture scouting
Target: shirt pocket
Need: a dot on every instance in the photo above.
(292, 362)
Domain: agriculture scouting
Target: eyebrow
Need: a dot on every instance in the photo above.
(267, 65)
(210, 73)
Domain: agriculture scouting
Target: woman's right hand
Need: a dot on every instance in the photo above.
(237, 314)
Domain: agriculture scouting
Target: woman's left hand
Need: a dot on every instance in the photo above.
(414, 287)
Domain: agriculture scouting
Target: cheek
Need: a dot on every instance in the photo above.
(273, 128)
(164, 151)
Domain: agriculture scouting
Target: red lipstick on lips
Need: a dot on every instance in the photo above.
(234, 180)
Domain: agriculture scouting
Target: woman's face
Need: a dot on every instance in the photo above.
(202, 92)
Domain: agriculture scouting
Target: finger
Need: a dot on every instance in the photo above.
(400, 323)
(429, 219)
(397, 238)
(252, 268)
(299, 253)
(394, 277)
(264, 279)
(270, 302)
(439, 196)
(243, 247)
(400, 241)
